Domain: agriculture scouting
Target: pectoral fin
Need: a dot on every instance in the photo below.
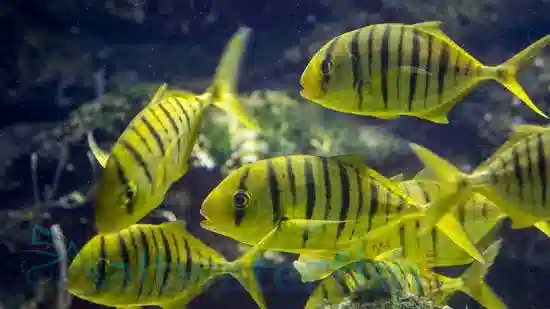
(100, 155)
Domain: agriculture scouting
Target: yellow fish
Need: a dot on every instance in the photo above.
(477, 221)
(153, 265)
(319, 205)
(389, 70)
(401, 277)
(153, 151)
(515, 178)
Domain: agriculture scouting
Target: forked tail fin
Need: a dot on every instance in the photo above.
(223, 88)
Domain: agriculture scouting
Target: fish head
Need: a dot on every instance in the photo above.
(238, 206)
(117, 198)
(328, 77)
(96, 270)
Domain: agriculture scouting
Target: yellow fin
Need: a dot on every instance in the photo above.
(100, 155)
(424, 175)
(222, 90)
(528, 129)
(433, 25)
(544, 227)
(452, 228)
(398, 178)
(159, 93)
(506, 72)
(520, 219)
(473, 282)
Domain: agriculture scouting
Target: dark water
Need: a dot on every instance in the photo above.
(55, 56)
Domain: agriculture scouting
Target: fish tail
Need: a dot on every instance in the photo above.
(506, 73)
(453, 182)
(473, 282)
(242, 269)
(223, 88)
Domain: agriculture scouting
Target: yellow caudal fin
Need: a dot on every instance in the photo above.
(223, 89)
(473, 280)
(452, 228)
(242, 269)
(506, 72)
(100, 155)
(453, 182)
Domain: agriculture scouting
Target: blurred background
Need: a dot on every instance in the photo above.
(68, 67)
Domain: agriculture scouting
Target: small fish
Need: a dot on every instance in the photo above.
(390, 70)
(319, 205)
(401, 277)
(514, 178)
(153, 151)
(153, 265)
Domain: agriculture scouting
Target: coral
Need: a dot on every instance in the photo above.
(398, 302)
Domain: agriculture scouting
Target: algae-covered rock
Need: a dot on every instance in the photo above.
(398, 302)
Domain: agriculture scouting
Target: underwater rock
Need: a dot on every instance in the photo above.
(402, 302)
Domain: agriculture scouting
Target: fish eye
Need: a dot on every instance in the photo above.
(129, 194)
(241, 199)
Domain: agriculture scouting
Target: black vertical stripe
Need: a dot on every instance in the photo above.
(155, 253)
(356, 67)
(159, 120)
(310, 195)
(154, 133)
(170, 119)
(359, 212)
(384, 63)
(484, 210)
(145, 246)
(168, 261)
(101, 265)
(530, 176)
(373, 207)
(178, 255)
(325, 66)
(274, 190)
(399, 60)
(291, 179)
(541, 158)
(327, 186)
(434, 242)
(388, 205)
(344, 206)
(442, 69)
(179, 104)
(124, 182)
(240, 212)
(517, 171)
(462, 212)
(342, 282)
(141, 138)
(138, 159)
(402, 239)
(415, 62)
(189, 260)
(125, 261)
(428, 69)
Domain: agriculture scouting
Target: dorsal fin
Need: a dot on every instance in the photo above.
(100, 155)
(354, 160)
(433, 26)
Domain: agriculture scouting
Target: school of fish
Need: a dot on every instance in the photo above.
(354, 229)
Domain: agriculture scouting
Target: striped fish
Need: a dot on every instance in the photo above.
(477, 219)
(514, 178)
(153, 265)
(318, 205)
(400, 277)
(389, 70)
(154, 149)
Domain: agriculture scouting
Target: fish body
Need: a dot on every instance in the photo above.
(152, 265)
(389, 70)
(477, 218)
(514, 178)
(153, 151)
(319, 205)
(401, 277)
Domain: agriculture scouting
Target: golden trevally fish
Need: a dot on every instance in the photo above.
(319, 205)
(515, 178)
(153, 151)
(389, 70)
(478, 217)
(401, 277)
(153, 265)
